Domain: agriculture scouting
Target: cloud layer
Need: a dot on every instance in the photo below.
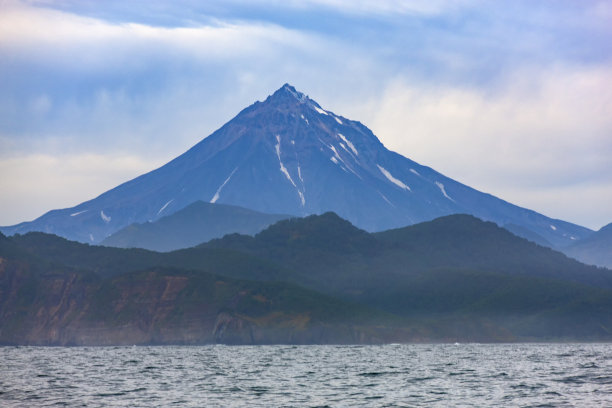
(514, 98)
(543, 142)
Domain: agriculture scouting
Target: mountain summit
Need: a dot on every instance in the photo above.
(288, 155)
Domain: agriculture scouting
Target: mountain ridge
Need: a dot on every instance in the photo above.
(595, 249)
(196, 223)
(455, 278)
(288, 155)
(458, 240)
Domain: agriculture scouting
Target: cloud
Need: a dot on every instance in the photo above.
(385, 7)
(95, 83)
(187, 11)
(55, 35)
(61, 181)
(513, 99)
(543, 131)
(586, 204)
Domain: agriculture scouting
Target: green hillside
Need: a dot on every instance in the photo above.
(45, 303)
(311, 280)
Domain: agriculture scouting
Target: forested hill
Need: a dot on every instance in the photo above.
(317, 279)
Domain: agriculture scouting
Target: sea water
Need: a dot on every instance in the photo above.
(437, 375)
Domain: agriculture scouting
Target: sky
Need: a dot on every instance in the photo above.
(511, 97)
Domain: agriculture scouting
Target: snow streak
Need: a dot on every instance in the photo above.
(338, 159)
(392, 179)
(321, 111)
(286, 172)
(77, 213)
(302, 198)
(282, 166)
(105, 217)
(386, 199)
(164, 206)
(349, 144)
(216, 196)
(443, 190)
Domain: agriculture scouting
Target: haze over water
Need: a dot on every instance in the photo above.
(441, 375)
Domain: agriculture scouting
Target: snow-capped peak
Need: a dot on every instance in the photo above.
(288, 89)
(274, 157)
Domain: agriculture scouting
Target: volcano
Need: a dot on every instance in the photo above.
(288, 155)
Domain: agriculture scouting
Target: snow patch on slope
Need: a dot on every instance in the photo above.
(348, 143)
(338, 159)
(296, 94)
(284, 170)
(300, 173)
(321, 111)
(335, 152)
(415, 172)
(338, 120)
(216, 196)
(78, 213)
(164, 206)
(443, 190)
(301, 193)
(392, 179)
(386, 199)
(282, 166)
(552, 227)
(104, 217)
